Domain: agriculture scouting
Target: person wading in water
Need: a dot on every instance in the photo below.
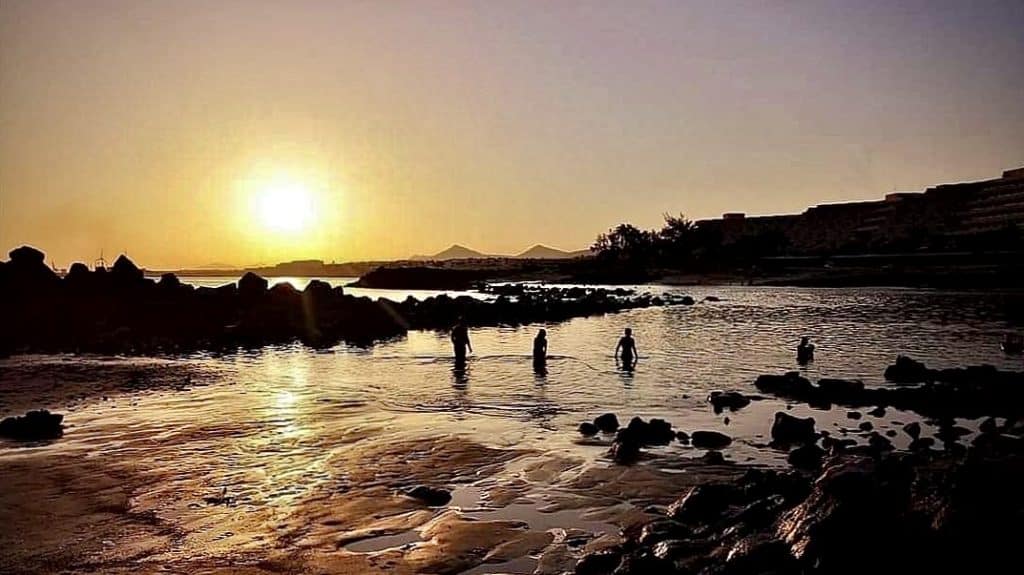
(627, 345)
(460, 341)
(540, 350)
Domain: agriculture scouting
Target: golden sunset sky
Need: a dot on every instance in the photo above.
(193, 132)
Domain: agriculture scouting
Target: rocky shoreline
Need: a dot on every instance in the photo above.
(120, 311)
(843, 507)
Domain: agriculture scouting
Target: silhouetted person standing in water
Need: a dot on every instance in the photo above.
(540, 349)
(627, 345)
(805, 351)
(460, 341)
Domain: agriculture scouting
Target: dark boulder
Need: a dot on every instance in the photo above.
(853, 414)
(659, 432)
(676, 551)
(653, 432)
(807, 456)
(27, 255)
(626, 447)
(683, 437)
(34, 425)
(759, 554)
(949, 433)
(687, 300)
(866, 426)
(588, 429)
(599, 562)
(879, 442)
(317, 291)
(762, 512)
(713, 458)
(907, 370)
(607, 423)
(840, 388)
(789, 385)
(124, 271)
(432, 496)
(663, 530)
(169, 281)
(913, 429)
(28, 272)
(703, 502)
(251, 286)
(922, 443)
(833, 445)
(877, 412)
(77, 274)
(731, 400)
(788, 429)
(988, 425)
(709, 439)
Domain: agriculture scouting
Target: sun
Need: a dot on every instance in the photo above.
(285, 206)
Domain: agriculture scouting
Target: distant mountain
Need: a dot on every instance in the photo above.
(542, 252)
(539, 251)
(455, 252)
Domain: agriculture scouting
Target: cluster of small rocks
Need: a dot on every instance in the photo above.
(639, 433)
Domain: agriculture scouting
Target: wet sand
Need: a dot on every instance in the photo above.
(200, 495)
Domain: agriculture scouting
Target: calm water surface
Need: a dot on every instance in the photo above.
(685, 352)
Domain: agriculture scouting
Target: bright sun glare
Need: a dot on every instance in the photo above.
(285, 206)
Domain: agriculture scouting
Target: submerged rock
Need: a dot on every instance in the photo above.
(432, 496)
(921, 443)
(731, 400)
(788, 429)
(713, 458)
(907, 370)
(879, 442)
(838, 388)
(806, 456)
(607, 423)
(626, 448)
(913, 429)
(34, 425)
(988, 425)
(709, 439)
(790, 385)
(588, 429)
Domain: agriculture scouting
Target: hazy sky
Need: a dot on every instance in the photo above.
(161, 126)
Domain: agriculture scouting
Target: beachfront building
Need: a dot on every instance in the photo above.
(948, 216)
